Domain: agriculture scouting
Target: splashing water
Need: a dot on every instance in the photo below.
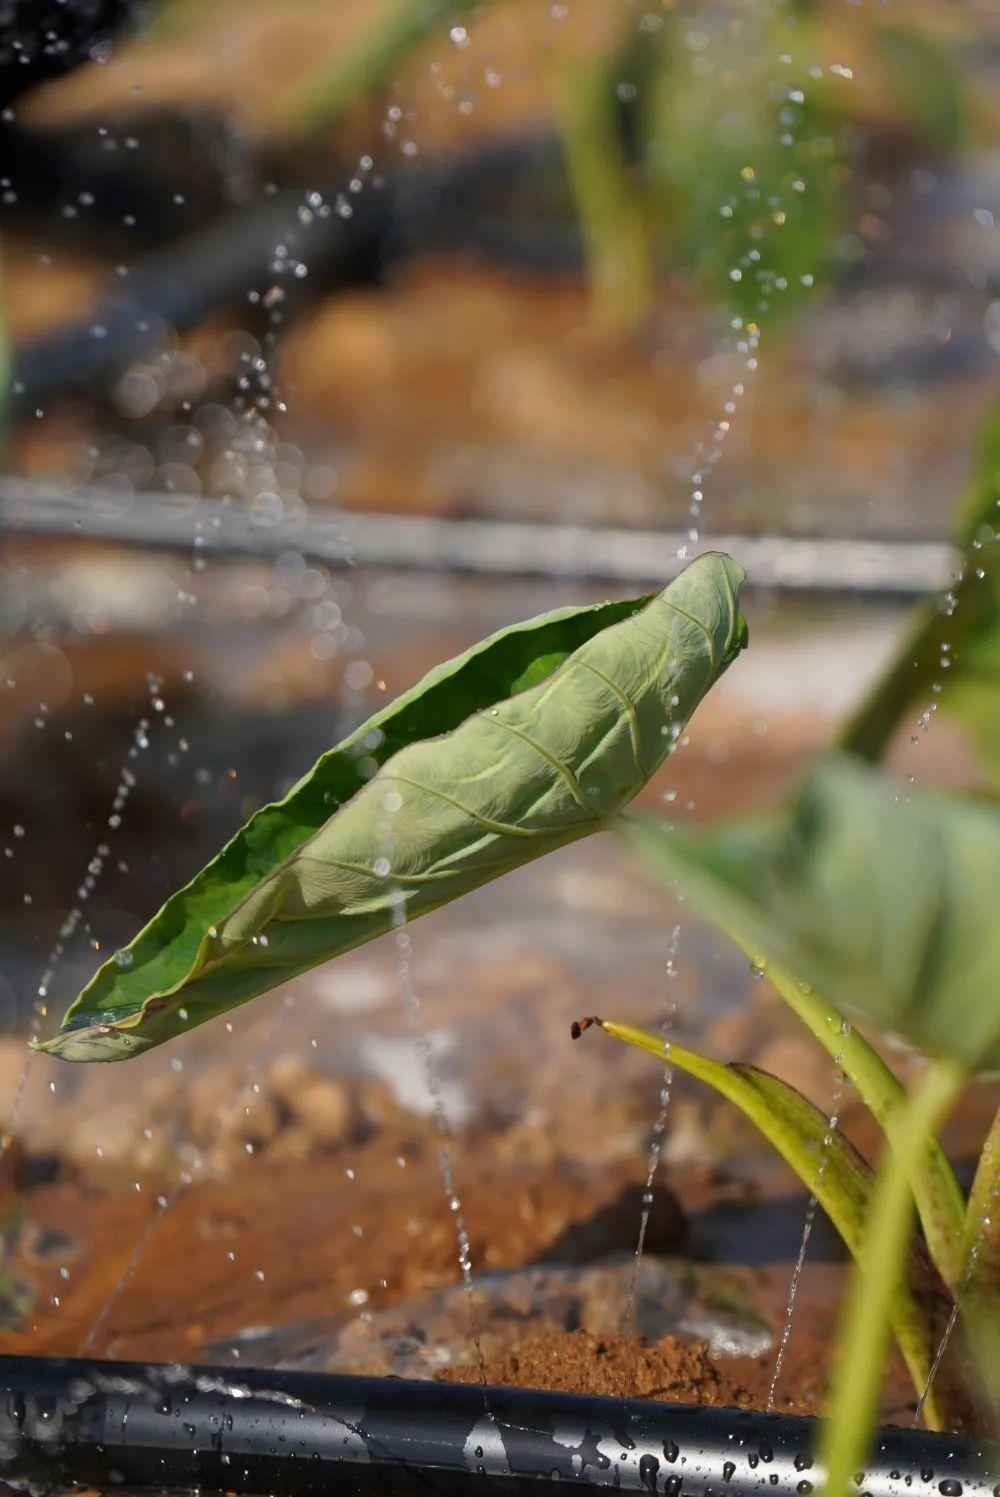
(96, 865)
(657, 1139)
(412, 1007)
(432, 1081)
(166, 1202)
(833, 1122)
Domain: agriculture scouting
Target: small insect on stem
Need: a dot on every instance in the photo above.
(579, 1025)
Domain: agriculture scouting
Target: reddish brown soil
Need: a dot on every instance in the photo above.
(685, 1372)
(289, 1228)
(615, 1367)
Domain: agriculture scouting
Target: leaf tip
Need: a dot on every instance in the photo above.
(579, 1026)
(92, 1042)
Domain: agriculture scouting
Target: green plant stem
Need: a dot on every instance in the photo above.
(984, 1197)
(933, 628)
(982, 1226)
(408, 24)
(980, 1293)
(612, 221)
(854, 1398)
(940, 1203)
(920, 1307)
(906, 680)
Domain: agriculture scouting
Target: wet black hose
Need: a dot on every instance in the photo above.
(115, 1424)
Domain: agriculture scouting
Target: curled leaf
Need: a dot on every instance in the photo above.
(529, 741)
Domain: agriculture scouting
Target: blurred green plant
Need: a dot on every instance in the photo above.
(749, 141)
(746, 155)
(927, 84)
(881, 902)
(16, 1298)
(717, 136)
(949, 655)
(613, 216)
(386, 44)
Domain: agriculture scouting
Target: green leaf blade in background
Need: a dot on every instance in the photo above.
(883, 899)
(522, 745)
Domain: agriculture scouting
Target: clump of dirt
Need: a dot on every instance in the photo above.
(615, 1367)
(678, 1371)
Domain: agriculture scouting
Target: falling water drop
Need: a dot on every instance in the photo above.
(832, 1125)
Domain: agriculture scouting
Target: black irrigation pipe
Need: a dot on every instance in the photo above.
(877, 568)
(144, 1428)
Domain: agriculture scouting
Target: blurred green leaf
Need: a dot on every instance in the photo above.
(883, 900)
(615, 233)
(746, 155)
(950, 653)
(927, 81)
(16, 1297)
(387, 43)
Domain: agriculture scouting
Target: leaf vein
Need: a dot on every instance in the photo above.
(703, 628)
(630, 712)
(575, 788)
(504, 828)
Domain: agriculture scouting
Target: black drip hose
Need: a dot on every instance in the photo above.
(210, 1429)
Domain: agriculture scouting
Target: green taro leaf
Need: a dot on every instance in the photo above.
(842, 1183)
(523, 744)
(883, 899)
